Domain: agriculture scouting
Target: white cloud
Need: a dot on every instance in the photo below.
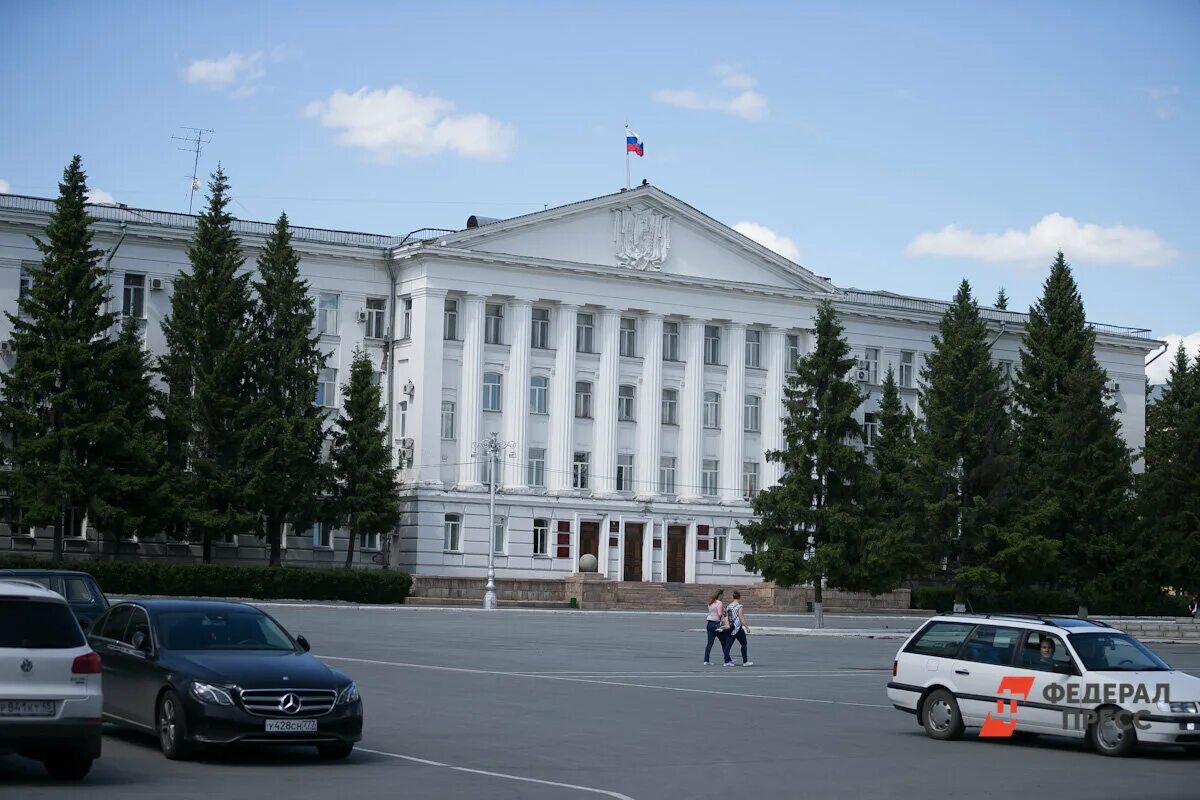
(1157, 372)
(769, 239)
(99, 196)
(5, 187)
(1117, 244)
(217, 73)
(398, 122)
(743, 102)
(1163, 99)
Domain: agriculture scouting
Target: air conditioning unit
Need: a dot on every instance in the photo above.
(8, 346)
(156, 284)
(362, 316)
(862, 375)
(407, 443)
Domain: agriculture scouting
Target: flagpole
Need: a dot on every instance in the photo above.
(628, 182)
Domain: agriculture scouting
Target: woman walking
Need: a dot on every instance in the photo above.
(738, 629)
(717, 627)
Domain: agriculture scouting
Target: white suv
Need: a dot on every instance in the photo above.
(50, 699)
(1016, 674)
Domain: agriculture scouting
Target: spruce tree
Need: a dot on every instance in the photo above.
(810, 525)
(52, 412)
(367, 492)
(964, 447)
(285, 435)
(1002, 300)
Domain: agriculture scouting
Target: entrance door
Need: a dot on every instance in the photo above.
(633, 551)
(676, 548)
(589, 540)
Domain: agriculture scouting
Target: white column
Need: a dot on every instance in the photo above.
(689, 560)
(691, 412)
(604, 404)
(648, 551)
(562, 402)
(732, 435)
(772, 413)
(425, 371)
(604, 550)
(649, 418)
(519, 316)
(470, 393)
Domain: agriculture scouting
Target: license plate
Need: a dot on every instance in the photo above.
(26, 708)
(291, 726)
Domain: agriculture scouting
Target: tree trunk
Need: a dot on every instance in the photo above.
(818, 602)
(960, 599)
(350, 546)
(1083, 612)
(206, 546)
(274, 532)
(56, 553)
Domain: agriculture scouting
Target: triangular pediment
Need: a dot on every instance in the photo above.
(643, 229)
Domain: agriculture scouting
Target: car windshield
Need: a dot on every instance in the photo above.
(1115, 652)
(221, 630)
(38, 625)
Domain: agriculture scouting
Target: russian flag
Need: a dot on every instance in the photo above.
(633, 144)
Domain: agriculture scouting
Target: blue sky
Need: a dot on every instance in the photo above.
(885, 145)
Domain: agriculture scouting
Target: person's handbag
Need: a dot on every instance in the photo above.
(723, 624)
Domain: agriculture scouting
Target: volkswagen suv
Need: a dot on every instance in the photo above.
(1010, 674)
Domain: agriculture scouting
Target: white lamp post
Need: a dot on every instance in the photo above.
(491, 447)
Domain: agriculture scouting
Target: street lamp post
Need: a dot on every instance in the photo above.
(491, 447)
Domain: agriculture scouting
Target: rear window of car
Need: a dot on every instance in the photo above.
(940, 639)
(38, 625)
(78, 590)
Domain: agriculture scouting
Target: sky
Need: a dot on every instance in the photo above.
(883, 145)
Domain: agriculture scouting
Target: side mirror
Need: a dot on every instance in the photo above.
(304, 645)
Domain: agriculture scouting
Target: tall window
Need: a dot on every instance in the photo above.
(327, 388)
(625, 472)
(539, 392)
(491, 391)
(447, 419)
(579, 470)
(493, 323)
(666, 475)
(327, 313)
(870, 429)
(584, 328)
(133, 298)
(1006, 369)
(720, 544)
(452, 533)
(708, 477)
(670, 341)
(540, 337)
(450, 320)
(625, 403)
(377, 317)
(541, 537)
(753, 348)
(537, 466)
(712, 409)
(793, 351)
(583, 399)
(752, 414)
(870, 363)
(403, 417)
(749, 479)
(907, 358)
(712, 344)
(500, 536)
(628, 336)
(26, 282)
(670, 407)
(405, 316)
(322, 536)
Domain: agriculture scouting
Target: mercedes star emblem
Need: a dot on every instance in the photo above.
(289, 703)
(27, 666)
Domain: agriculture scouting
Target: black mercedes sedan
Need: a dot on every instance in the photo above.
(201, 672)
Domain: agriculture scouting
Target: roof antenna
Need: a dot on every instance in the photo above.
(196, 139)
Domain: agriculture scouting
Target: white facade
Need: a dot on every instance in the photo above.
(631, 350)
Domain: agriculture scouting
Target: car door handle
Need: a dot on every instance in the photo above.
(961, 672)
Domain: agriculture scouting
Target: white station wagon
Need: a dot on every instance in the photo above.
(1025, 675)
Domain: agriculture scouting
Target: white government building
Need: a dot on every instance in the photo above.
(629, 350)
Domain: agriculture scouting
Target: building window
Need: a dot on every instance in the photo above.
(541, 537)
(583, 399)
(327, 313)
(670, 407)
(712, 344)
(708, 477)
(1006, 370)
(493, 324)
(26, 283)
(405, 316)
(584, 327)
(447, 419)
(870, 363)
(368, 541)
(907, 360)
(870, 429)
(541, 328)
(749, 479)
(322, 535)
(712, 409)
(377, 317)
(579, 471)
(491, 391)
(133, 298)
(670, 341)
(537, 466)
(753, 348)
(500, 536)
(625, 472)
(327, 388)
(666, 475)
(628, 336)
(450, 321)
(625, 403)
(793, 351)
(404, 418)
(752, 416)
(452, 530)
(721, 544)
(539, 393)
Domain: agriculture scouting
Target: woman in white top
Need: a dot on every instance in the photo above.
(716, 614)
(738, 629)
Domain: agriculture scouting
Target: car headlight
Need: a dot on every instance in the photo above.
(207, 693)
(348, 695)
(1180, 708)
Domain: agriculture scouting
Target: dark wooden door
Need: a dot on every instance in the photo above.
(589, 540)
(676, 550)
(633, 551)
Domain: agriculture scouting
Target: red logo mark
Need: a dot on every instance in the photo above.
(1017, 686)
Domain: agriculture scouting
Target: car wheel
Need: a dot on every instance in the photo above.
(941, 717)
(67, 766)
(1113, 734)
(335, 749)
(171, 723)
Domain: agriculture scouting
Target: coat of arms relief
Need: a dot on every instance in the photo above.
(642, 238)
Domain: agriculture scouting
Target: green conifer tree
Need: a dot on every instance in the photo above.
(1002, 300)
